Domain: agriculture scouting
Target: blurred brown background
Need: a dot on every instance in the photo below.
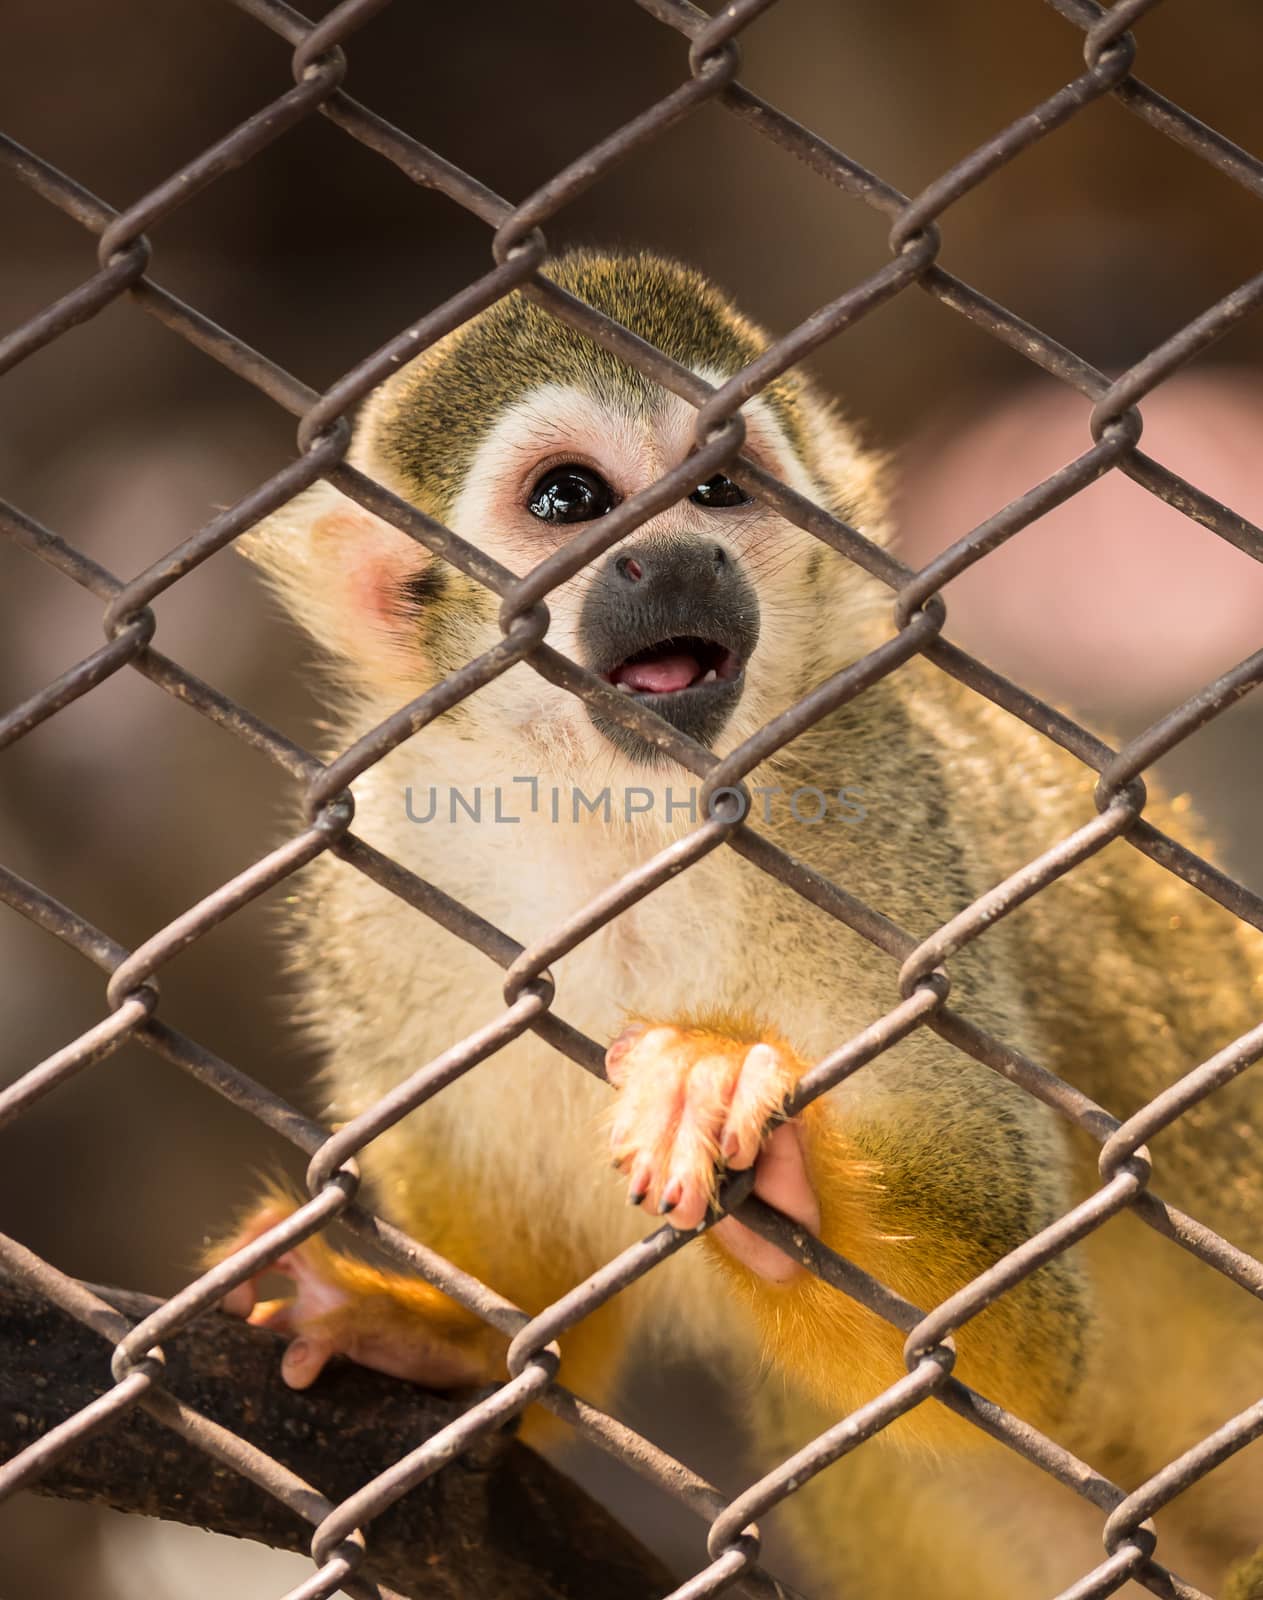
(125, 440)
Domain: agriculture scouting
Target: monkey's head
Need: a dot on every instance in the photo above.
(514, 430)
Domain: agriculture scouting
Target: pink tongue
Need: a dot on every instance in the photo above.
(658, 677)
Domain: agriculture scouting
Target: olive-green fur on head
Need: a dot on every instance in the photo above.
(448, 399)
(1246, 1581)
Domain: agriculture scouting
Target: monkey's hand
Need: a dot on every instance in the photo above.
(693, 1101)
(341, 1306)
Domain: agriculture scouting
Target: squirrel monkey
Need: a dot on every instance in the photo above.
(924, 1167)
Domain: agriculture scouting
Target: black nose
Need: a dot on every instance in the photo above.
(674, 622)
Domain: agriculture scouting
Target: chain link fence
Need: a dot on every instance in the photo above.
(710, 65)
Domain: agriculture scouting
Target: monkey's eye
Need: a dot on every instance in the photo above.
(719, 491)
(570, 494)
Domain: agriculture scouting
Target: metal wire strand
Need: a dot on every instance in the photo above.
(122, 267)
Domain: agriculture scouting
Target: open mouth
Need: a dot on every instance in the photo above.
(674, 665)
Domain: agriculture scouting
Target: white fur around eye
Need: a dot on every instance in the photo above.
(548, 427)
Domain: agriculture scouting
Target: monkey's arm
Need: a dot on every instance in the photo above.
(924, 1188)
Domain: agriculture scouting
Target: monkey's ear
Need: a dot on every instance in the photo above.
(341, 572)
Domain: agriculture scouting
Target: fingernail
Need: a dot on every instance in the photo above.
(671, 1197)
(636, 1199)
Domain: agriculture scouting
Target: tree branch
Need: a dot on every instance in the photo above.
(498, 1522)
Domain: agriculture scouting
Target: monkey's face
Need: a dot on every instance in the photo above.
(704, 613)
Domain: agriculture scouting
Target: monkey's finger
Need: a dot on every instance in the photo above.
(766, 1078)
(270, 1211)
(690, 1182)
(782, 1180)
(276, 1315)
(645, 1140)
(617, 1052)
(239, 1301)
(781, 1177)
(646, 1114)
(650, 1102)
(304, 1360)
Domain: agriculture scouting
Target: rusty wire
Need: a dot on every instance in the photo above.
(519, 262)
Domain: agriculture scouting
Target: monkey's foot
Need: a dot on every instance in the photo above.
(341, 1306)
(691, 1101)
